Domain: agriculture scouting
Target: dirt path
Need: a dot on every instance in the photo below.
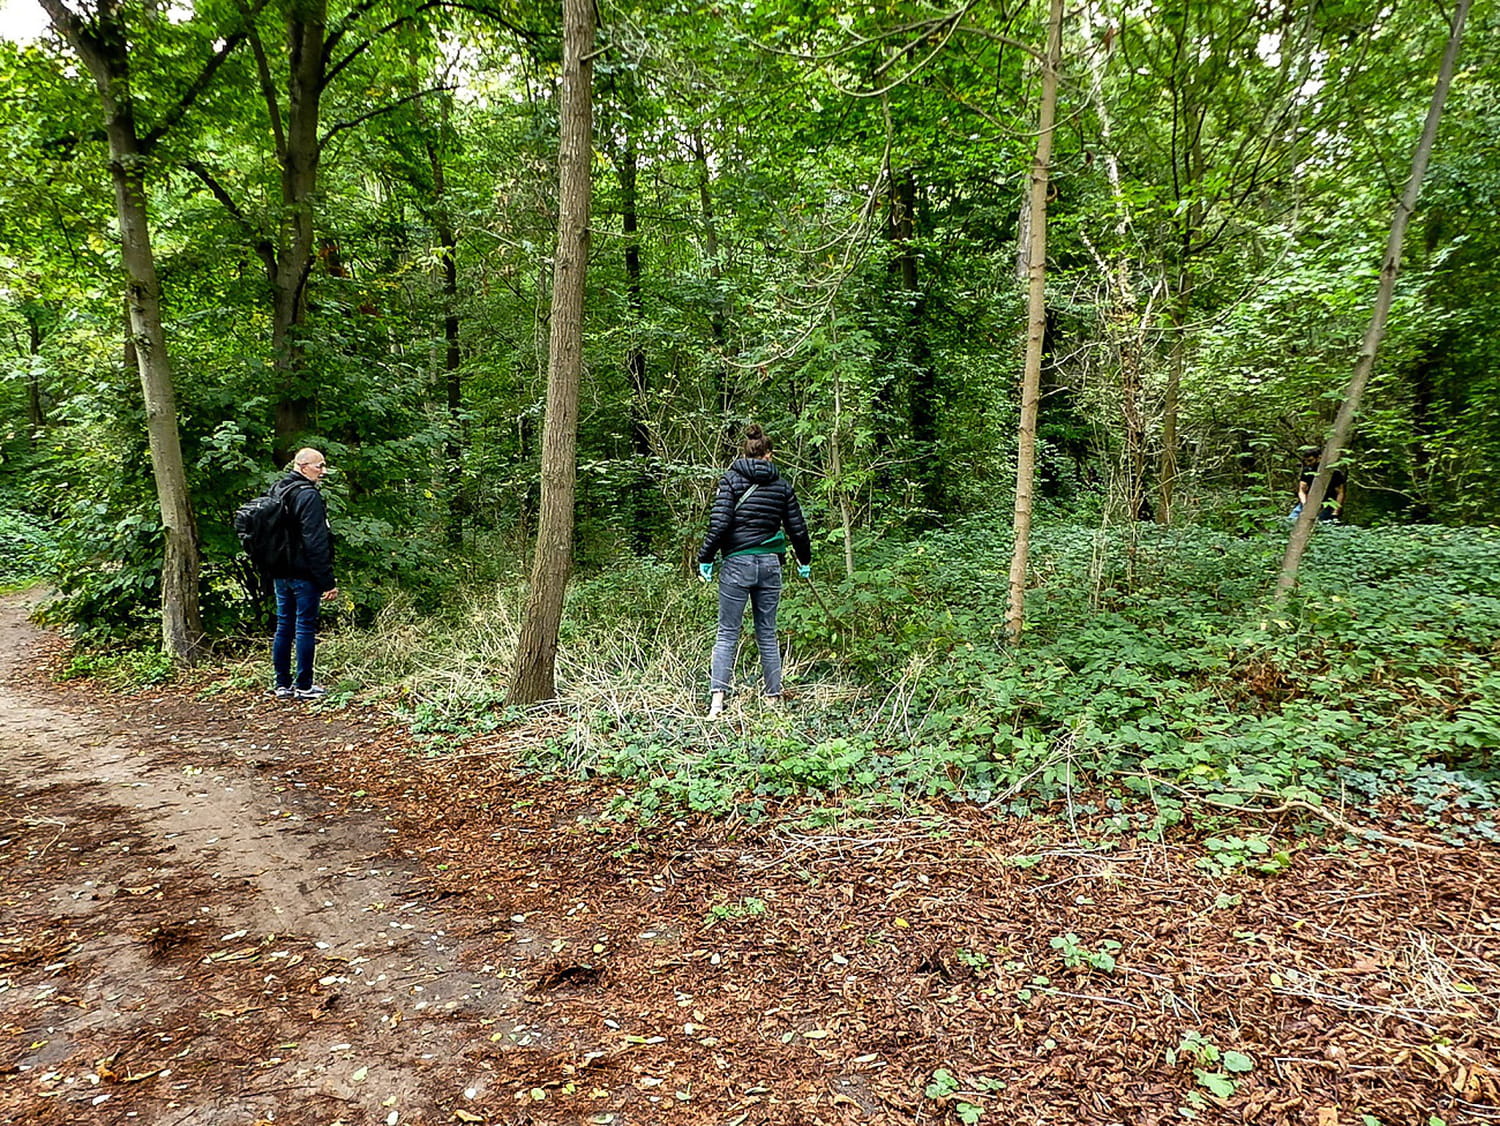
(161, 894)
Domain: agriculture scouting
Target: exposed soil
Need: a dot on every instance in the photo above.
(222, 908)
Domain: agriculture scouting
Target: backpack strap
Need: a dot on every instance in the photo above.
(745, 496)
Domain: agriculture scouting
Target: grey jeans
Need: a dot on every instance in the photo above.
(755, 579)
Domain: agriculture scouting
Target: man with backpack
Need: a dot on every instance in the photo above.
(301, 574)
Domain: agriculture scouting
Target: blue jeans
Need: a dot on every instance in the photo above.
(755, 579)
(296, 618)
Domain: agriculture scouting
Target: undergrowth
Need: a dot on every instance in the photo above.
(25, 544)
(1152, 669)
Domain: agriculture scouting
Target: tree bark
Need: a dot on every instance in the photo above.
(452, 377)
(104, 50)
(536, 650)
(1036, 320)
(641, 487)
(718, 320)
(1343, 423)
(1125, 329)
(300, 153)
(36, 416)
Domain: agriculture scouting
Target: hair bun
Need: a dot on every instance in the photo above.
(754, 431)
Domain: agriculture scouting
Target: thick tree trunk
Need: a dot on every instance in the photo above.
(536, 650)
(1343, 423)
(300, 154)
(104, 50)
(1036, 321)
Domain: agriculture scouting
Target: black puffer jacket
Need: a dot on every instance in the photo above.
(765, 512)
(312, 540)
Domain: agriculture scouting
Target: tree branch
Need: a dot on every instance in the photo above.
(205, 76)
(362, 118)
(258, 241)
(268, 92)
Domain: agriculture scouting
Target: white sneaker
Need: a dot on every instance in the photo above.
(316, 692)
(716, 705)
(284, 693)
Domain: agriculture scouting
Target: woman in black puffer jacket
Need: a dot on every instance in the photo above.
(754, 517)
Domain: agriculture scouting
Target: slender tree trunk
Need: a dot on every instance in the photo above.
(1036, 321)
(718, 320)
(641, 489)
(1188, 169)
(104, 50)
(921, 392)
(36, 417)
(536, 654)
(1125, 328)
(635, 356)
(1343, 423)
(1166, 481)
(836, 473)
(452, 378)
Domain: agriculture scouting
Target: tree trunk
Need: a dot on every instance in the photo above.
(300, 154)
(36, 417)
(104, 50)
(718, 320)
(1188, 172)
(536, 650)
(452, 379)
(1166, 481)
(641, 488)
(1125, 329)
(921, 393)
(1343, 423)
(1036, 321)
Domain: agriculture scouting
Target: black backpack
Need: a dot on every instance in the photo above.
(267, 528)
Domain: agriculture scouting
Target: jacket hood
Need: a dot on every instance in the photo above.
(755, 470)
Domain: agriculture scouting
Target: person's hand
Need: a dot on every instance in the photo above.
(706, 571)
(804, 570)
(330, 595)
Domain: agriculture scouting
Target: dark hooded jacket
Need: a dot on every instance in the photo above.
(760, 518)
(312, 540)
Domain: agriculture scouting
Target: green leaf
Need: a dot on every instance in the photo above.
(1216, 1082)
(1238, 1062)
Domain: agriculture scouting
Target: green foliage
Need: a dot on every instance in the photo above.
(1249, 853)
(1213, 1070)
(1379, 677)
(1075, 955)
(123, 668)
(945, 1085)
(750, 907)
(27, 544)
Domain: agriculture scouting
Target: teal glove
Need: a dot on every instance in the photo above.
(804, 570)
(706, 572)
